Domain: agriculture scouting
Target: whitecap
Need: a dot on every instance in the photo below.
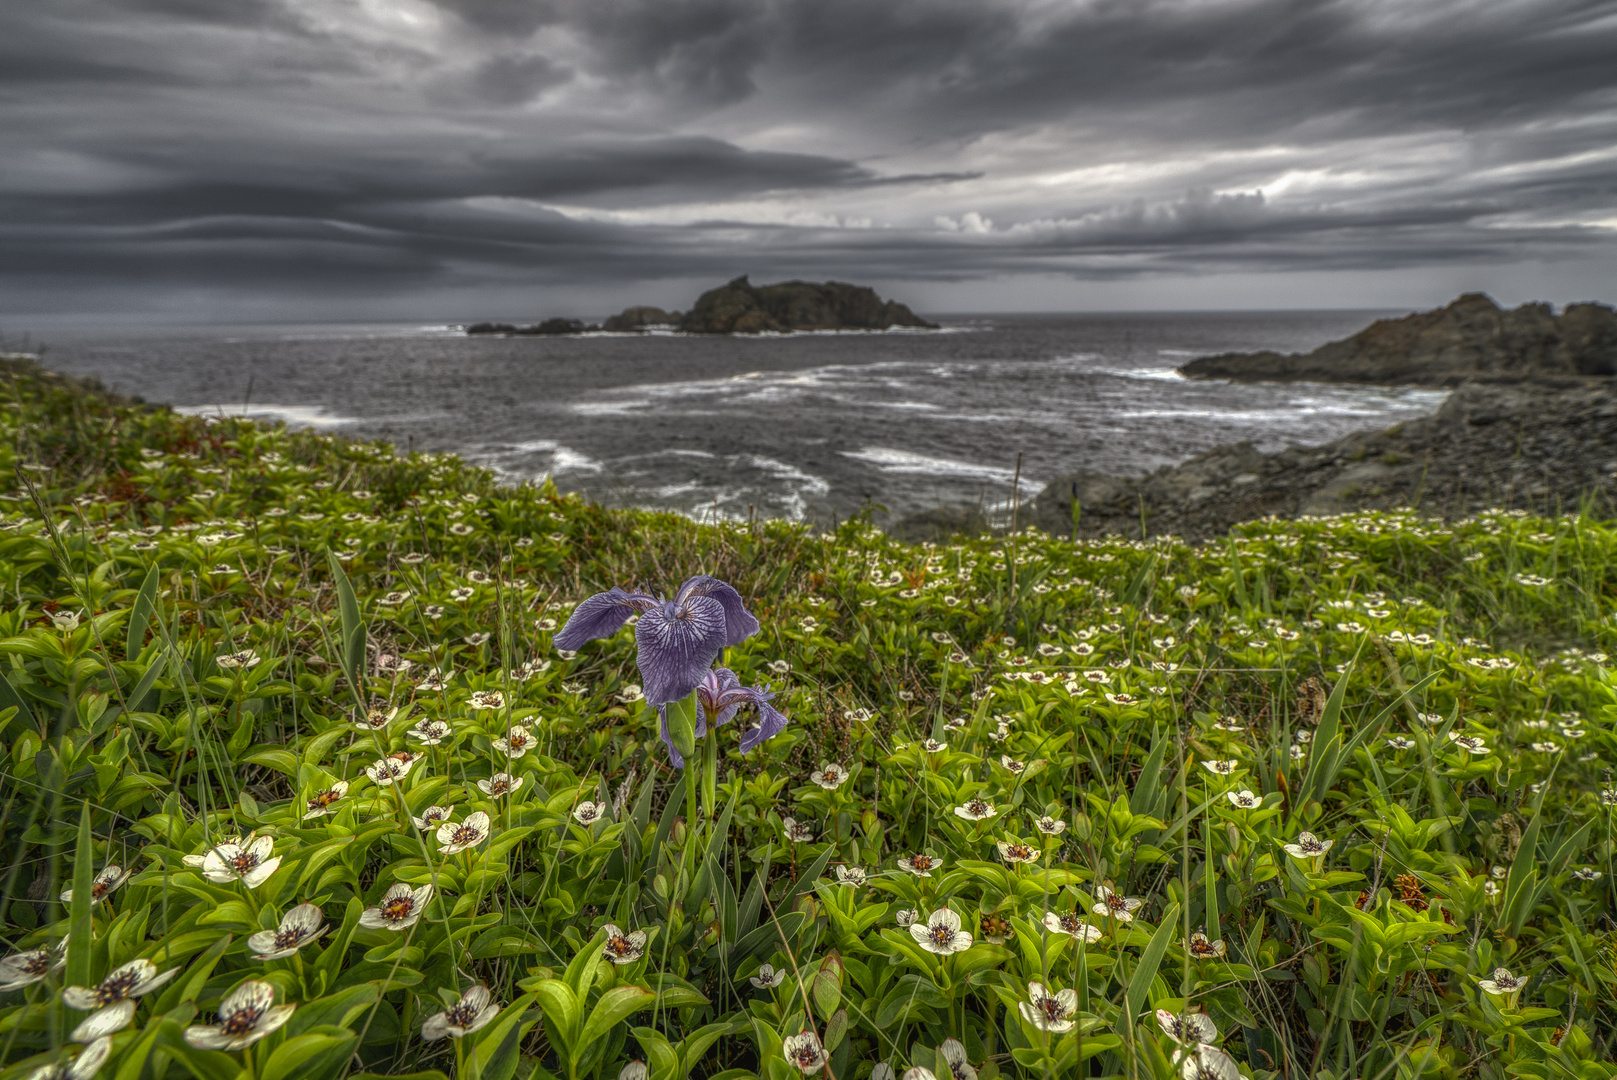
(296, 416)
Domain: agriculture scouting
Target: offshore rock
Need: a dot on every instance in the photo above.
(548, 328)
(635, 319)
(1472, 338)
(742, 308)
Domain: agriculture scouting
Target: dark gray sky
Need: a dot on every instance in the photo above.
(448, 159)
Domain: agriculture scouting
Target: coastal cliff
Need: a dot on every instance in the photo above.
(1471, 338)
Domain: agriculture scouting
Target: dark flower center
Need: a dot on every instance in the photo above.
(464, 835)
(462, 1014)
(620, 945)
(115, 988)
(1116, 903)
(922, 862)
(942, 935)
(977, 806)
(323, 800)
(37, 963)
(1072, 924)
(100, 889)
(805, 1056)
(499, 787)
(285, 939)
(1053, 1009)
(1202, 947)
(399, 908)
(241, 1021)
(1019, 851)
(244, 862)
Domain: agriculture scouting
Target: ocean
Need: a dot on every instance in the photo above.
(807, 426)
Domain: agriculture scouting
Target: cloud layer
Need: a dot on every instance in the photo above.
(466, 158)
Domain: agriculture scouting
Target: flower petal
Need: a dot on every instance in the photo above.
(676, 646)
(602, 615)
(738, 621)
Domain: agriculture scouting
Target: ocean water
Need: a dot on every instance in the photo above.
(809, 426)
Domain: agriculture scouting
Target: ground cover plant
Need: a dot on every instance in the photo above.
(303, 779)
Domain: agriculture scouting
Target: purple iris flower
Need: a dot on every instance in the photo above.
(677, 640)
(721, 695)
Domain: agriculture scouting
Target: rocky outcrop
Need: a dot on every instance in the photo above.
(940, 523)
(548, 328)
(742, 308)
(1472, 338)
(636, 319)
(1532, 446)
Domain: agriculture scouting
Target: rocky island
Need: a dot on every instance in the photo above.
(739, 307)
(1471, 338)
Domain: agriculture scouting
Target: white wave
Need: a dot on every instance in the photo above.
(1156, 374)
(566, 460)
(1179, 352)
(297, 416)
(780, 470)
(904, 461)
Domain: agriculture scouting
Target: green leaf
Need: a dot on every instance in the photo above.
(282, 761)
(338, 1009)
(351, 649)
(1150, 958)
(140, 618)
(614, 1007)
(300, 1056)
(80, 942)
(10, 699)
(563, 1015)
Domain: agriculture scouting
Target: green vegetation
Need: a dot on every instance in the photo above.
(1296, 796)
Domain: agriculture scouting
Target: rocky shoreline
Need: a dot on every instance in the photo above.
(1535, 447)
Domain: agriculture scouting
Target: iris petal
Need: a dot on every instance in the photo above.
(678, 642)
(602, 615)
(739, 625)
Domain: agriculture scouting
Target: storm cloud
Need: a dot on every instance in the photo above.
(472, 158)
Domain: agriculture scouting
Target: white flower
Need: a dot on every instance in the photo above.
(121, 986)
(431, 732)
(954, 1052)
(1016, 852)
(110, 878)
(1503, 984)
(1073, 925)
(246, 658)
(1011, 765)
(1050, 826)
(1243, 800)
(301, 925)
(1221, 768)
(975, 810)
(941, 933)
(829, 775)
(621, 948)
(1047, 1011)
(1399, 742)
(906, 917)
(1121, 908)
(588, 813)
(400, 909)
(1309, 846)
(920, 865)
(453, 838)
(501, 783)
(432, 817)
(322, 801)
(1469, 743)
(914, 1072)
(376, 719)
(768, 978)
(1199, 947)
(26, 968)
(249, 862)
(384, 772)
(1209, 1063)
(83, 1067)
(804, 1051)
(932, 746)
(247, 1014)
(1188, 1029)
(516, 742)
(475, 1008)
(65, 621)
(635, 1070)
(1587, 873)
(798, 832)
(851, 875)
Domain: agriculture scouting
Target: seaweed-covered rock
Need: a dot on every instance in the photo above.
(635, 319)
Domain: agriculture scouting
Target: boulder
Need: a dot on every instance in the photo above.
(1470, 339)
